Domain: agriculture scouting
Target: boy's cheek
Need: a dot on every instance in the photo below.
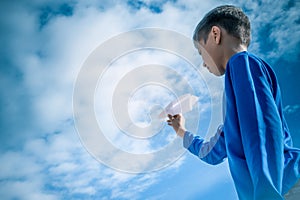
(208, 59)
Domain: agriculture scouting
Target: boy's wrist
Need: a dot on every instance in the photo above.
(181, 131)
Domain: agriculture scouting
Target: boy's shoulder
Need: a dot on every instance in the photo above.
(245, 57)
(246, 62)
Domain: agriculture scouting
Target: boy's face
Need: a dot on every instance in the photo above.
(208, 61)
(211, 53)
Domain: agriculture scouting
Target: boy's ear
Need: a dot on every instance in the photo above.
(216, 34)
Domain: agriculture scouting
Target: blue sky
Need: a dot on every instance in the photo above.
(44, 45)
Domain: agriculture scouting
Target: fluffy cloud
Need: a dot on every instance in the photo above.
(46, 44)
(272, 25)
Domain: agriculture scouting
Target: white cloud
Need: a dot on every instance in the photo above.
(290, 109)
(272, 25)
(24, 190)
(60, 162)
(49, 60)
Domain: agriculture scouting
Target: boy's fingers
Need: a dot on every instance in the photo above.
(177, 116)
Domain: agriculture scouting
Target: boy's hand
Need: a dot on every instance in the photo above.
(178, 124)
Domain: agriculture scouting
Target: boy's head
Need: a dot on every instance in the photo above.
(219, 30)
(231, 18)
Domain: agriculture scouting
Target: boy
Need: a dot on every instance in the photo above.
(255, 137)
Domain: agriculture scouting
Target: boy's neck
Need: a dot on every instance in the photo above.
(232, 46)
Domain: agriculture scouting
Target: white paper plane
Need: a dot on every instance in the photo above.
(180, 105)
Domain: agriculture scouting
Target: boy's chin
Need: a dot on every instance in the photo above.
(218, 73)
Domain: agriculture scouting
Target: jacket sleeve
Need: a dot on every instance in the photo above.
(259, 125)
(212, 152)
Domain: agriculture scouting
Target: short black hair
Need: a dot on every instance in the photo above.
(229, 17)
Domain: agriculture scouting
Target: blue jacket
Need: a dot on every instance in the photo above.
(255, 137)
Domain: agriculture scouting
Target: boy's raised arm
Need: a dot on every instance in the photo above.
(212, 152)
